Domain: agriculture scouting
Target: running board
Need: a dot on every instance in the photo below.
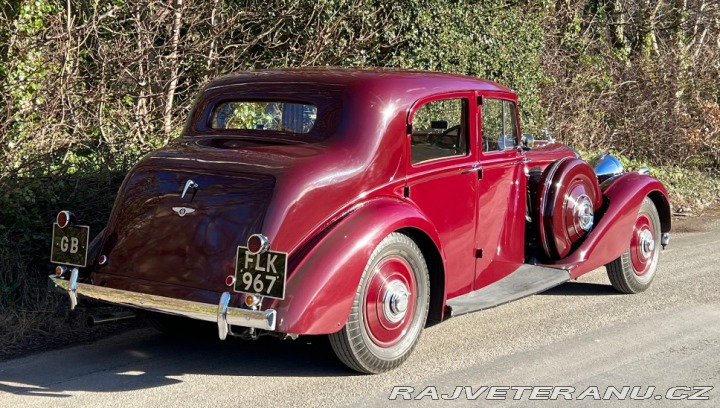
(525, 281)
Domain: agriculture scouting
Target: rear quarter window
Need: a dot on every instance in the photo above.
(439, 130)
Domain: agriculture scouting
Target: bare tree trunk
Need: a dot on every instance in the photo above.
(698, 38)
(617, 28)
(647, 39)
(141, 110)
(681, 9)
(174, 69)
(213, 41)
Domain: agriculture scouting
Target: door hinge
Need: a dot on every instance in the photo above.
(406, 192)
(479, 100)
(478, 253)
(480, 174)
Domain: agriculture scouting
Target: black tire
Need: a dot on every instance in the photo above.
(624, 275)
(356, 345)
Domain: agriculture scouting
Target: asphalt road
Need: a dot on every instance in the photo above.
(581, 334)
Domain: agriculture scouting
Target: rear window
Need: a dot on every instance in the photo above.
(261, 115)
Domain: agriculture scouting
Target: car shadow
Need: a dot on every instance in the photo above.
(574, 288)
(146, 358)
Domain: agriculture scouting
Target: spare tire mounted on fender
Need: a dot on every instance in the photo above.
(567, 199)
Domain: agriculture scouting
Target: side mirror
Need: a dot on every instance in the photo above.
(528, 140)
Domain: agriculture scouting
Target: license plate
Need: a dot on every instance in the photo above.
(262, 274)
(70, 245)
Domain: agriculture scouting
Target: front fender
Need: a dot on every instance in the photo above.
(611, 235)
(320, 291)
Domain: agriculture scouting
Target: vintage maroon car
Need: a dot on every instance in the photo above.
(362, 205)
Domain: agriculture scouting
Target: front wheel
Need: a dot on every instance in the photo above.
(389, 310)
(634, 270)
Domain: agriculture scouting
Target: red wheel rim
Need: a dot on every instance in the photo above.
(391, 286)
(642, 245)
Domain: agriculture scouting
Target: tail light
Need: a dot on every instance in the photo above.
(252, 300)
(60, 271)
(257, 244)
(64, 218)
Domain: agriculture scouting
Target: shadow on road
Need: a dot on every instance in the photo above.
(146, 359)
(573, 288)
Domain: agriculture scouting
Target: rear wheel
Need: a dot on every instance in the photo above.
(634, 270)
(389, 310)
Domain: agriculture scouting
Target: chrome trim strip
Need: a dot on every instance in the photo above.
(258, 319)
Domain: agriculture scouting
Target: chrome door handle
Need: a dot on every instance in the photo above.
(474, 168)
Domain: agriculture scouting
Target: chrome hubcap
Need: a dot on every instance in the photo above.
(395, 301)
(647, 244)
(584, 213)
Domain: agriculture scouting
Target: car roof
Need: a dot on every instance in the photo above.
(390, 81)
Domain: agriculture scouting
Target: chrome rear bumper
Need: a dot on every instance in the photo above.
(221, 313)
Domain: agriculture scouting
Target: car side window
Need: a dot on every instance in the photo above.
(499, 125)
(439, 130)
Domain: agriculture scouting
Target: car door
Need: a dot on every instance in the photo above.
(500, 232)
(442, 178)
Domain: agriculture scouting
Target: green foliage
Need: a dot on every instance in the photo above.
(690, 188)
(250, 115)
(103, 104)
(22, 80)
(498, 40)
(449, 110)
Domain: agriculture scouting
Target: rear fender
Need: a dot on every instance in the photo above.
(320, 290)
(610, 237)
(94, 249)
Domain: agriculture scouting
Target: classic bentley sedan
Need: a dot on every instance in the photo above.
(361, 205)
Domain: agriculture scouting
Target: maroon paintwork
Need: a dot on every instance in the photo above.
(329, 197)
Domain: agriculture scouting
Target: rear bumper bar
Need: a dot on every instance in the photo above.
(221, 313)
